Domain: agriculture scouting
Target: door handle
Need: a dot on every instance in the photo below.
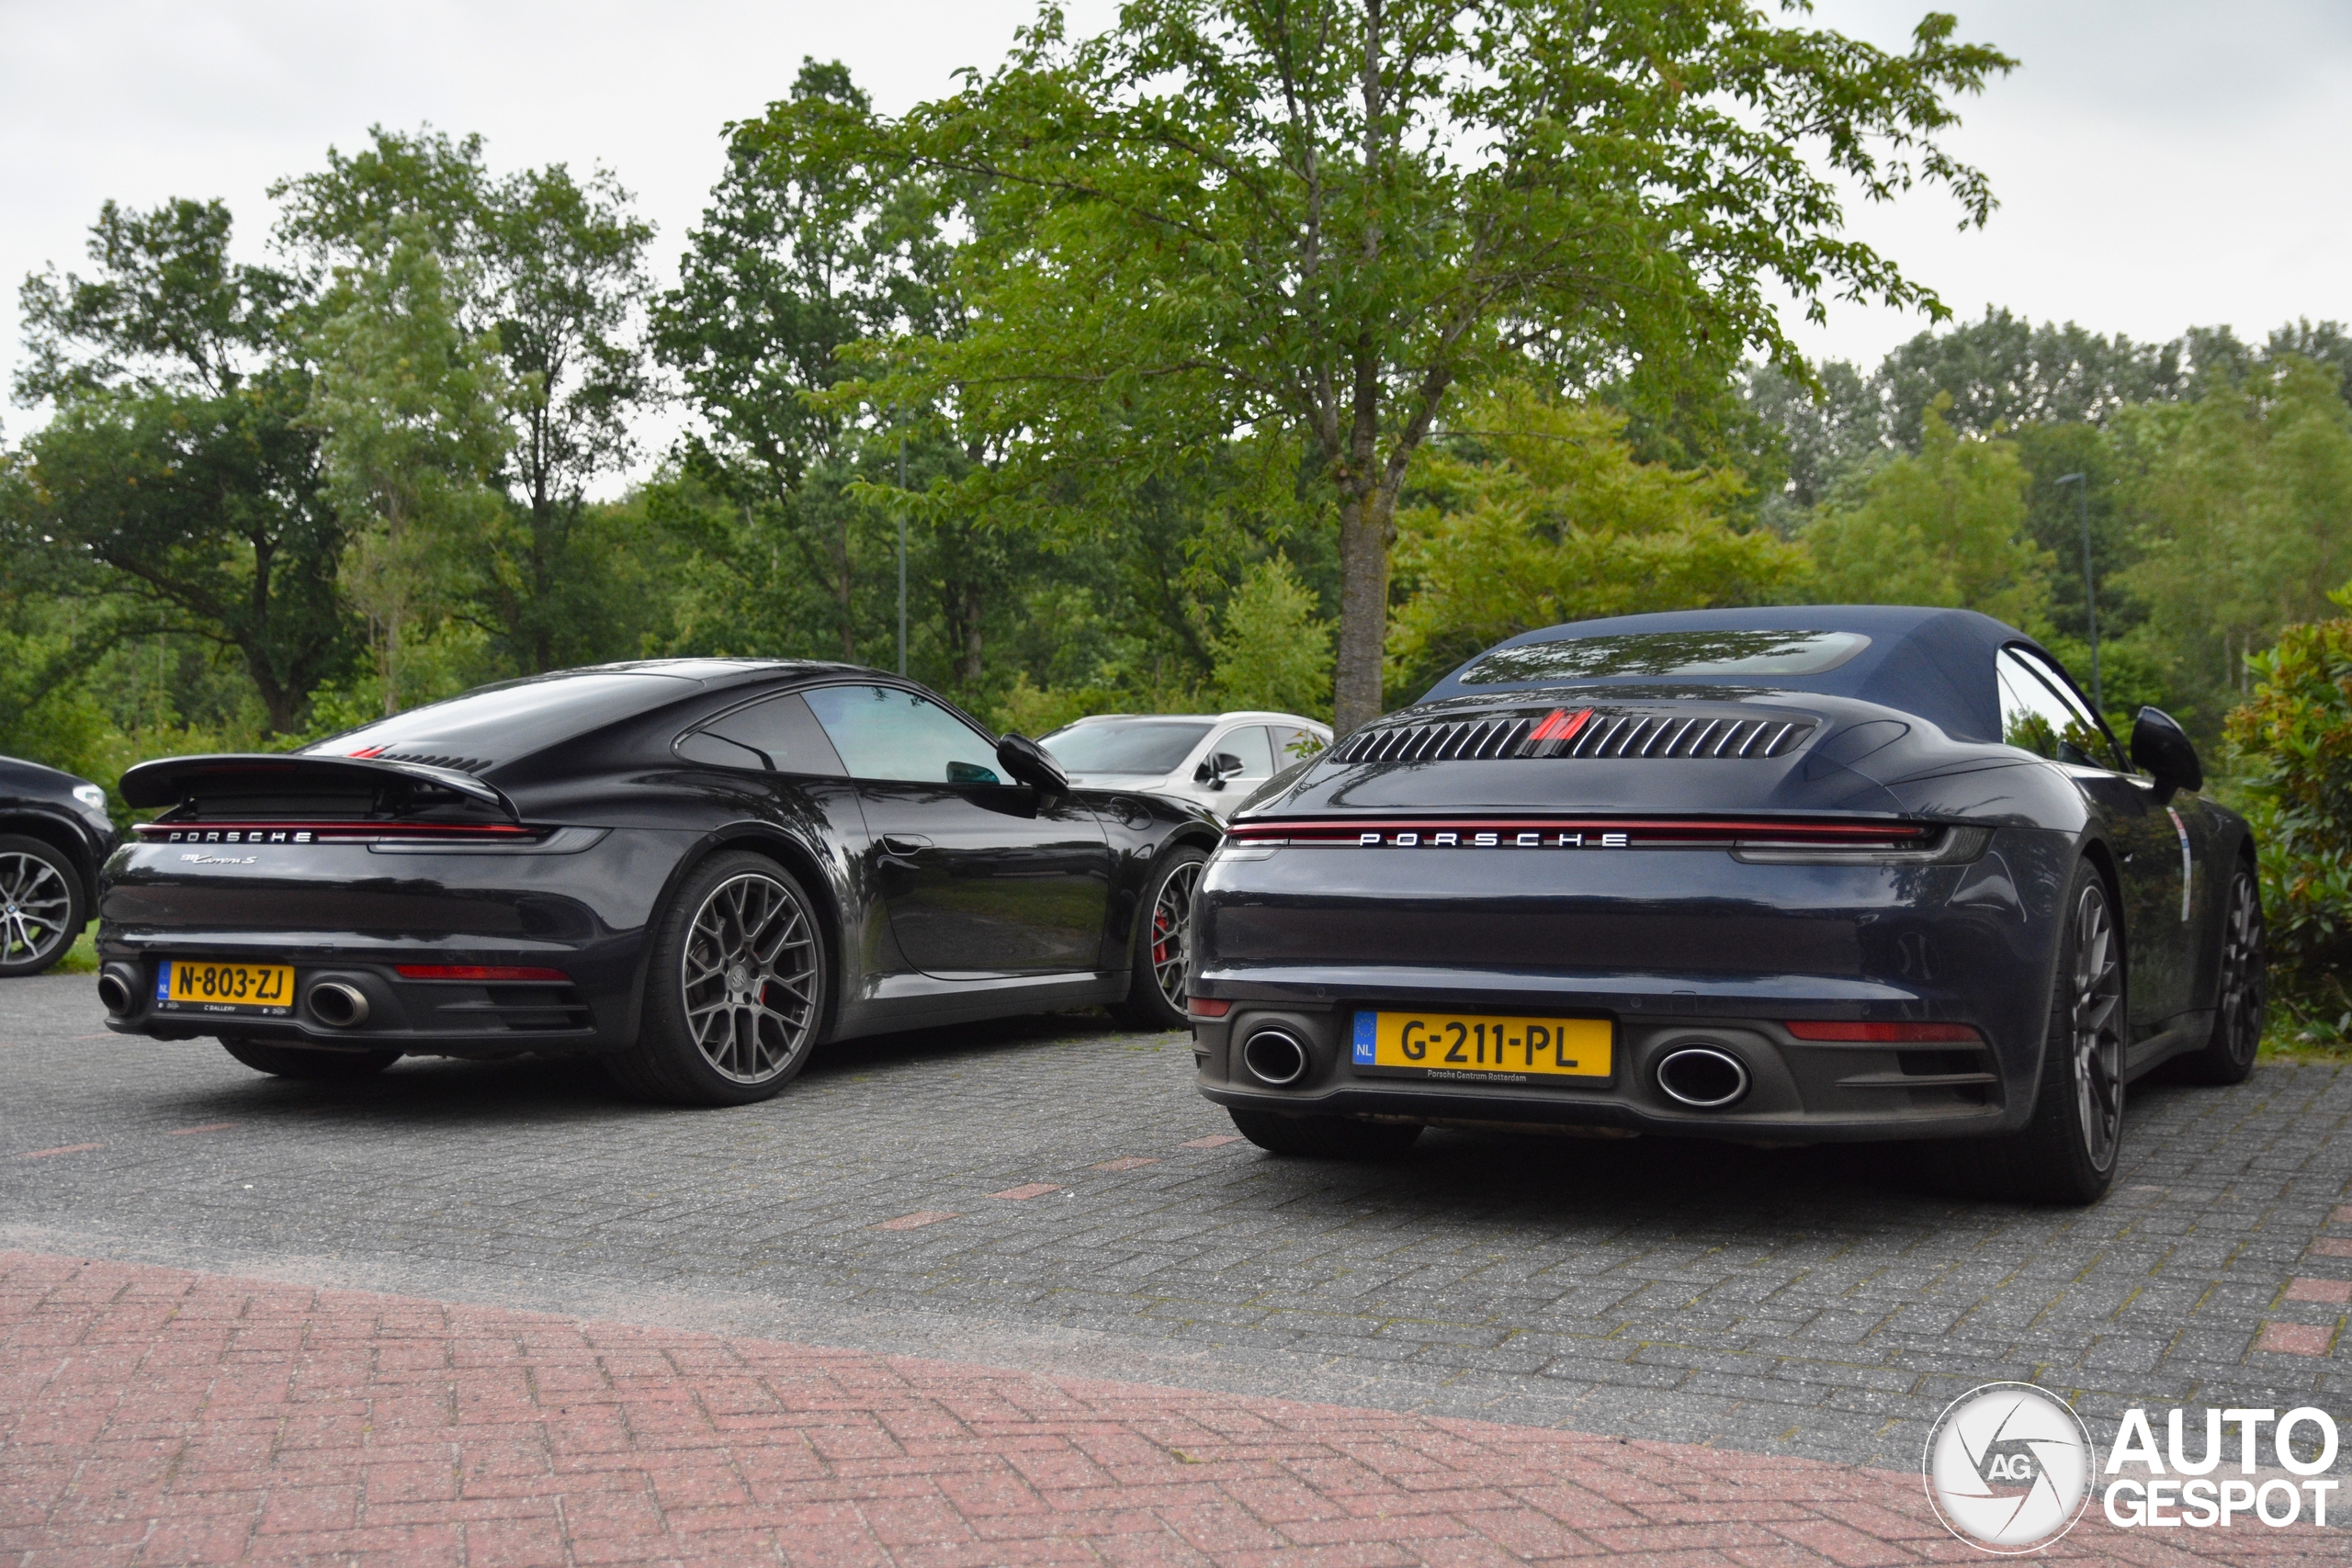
(904, 843)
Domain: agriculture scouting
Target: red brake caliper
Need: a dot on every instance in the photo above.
(1160, 925)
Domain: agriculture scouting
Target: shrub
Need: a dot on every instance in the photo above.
(2293, 741)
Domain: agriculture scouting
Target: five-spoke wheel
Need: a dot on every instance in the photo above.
(40, 906)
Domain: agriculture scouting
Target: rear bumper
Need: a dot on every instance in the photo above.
(1680, 949)
(353, 915)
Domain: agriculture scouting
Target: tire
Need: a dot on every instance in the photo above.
(737, 983)
(317, 1066)
(1162, 947)
(1324, 1137)
(43, 906)
(2067, 1153)
(2243, 1000)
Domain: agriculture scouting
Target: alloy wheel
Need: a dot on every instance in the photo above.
(2098, 1029)
(2245, 971)
(749, 974)
(1171, 930)
(35, 905)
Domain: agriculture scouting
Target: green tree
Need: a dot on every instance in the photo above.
(2293, 737)
(1945, 527)
(2242, 503)
(1538, 513)
(1274, 650)
(551, 269)
(176, 479)
(413, 413)
(1316, 221)
(806, 249)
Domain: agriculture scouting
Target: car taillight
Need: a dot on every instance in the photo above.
(1207, 1007)
(1886, 1034)
(477, 971)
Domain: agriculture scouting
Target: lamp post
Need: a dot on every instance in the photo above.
(902, 552)
(2082, 484)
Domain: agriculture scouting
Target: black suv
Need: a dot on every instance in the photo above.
(54, 834)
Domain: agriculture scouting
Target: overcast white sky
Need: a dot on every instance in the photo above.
(2159, 161)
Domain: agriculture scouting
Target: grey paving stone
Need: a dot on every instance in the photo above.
(1813, 1302)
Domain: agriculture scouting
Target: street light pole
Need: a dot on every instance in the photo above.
(902, 552)
(2082, 484)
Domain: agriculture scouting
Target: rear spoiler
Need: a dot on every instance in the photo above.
(177, 781)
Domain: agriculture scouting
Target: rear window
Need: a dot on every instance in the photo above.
(1140, 746)
(497, 723)
(1668, 654)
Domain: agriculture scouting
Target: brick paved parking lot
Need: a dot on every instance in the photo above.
(1054, 1197)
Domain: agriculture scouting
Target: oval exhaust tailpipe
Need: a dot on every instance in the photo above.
(114, 995)
(1274, 1057)
(1702, 1077)
(336, 1005)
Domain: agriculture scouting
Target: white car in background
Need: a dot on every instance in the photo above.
(1213, 760)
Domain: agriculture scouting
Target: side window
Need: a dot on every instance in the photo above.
(2041, 714)
(1292, 743)
(882, 732)
(780, 733)
(1250, 745)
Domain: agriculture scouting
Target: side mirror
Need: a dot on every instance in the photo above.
(1217, 769)
(1032, 765)
(2161, 746)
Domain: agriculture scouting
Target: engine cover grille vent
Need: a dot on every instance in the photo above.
(1583, 732)
(458, 764)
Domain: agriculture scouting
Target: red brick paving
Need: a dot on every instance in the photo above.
(2333, 1247)
(61, 1149)
(1026, 1190)
(2338, 1292)
(153, 1416)
(2294, 1338)
(917, 1220)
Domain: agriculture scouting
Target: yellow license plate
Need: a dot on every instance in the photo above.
(225, 987)
(1479, 1045)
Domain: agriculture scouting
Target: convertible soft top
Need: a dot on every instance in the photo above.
(1935, 663)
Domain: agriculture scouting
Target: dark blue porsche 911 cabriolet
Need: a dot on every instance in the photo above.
(1785, 875)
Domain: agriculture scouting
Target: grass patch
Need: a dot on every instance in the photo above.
(2292, 1042)
(82, 958)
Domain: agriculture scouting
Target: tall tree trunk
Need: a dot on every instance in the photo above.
(1367, 523)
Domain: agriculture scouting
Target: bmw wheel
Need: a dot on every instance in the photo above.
(41, 905)
(2242, 996)
(736, 987)
(1163, 944)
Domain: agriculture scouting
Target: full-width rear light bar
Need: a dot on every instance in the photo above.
(1547, 832)
(1885, 1033)
(325, 832)
(478, 972)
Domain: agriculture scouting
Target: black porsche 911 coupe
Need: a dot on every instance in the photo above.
(1779, 875)
(697, 870)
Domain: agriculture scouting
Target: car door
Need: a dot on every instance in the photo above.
(2042, 711)
(982, 877)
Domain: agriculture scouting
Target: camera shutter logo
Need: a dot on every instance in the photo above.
(2009, 1467)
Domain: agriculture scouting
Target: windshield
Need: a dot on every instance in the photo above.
(1670, 654)
(1126, 745)
(503, 722)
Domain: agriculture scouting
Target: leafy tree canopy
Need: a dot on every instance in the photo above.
(1322, 219)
